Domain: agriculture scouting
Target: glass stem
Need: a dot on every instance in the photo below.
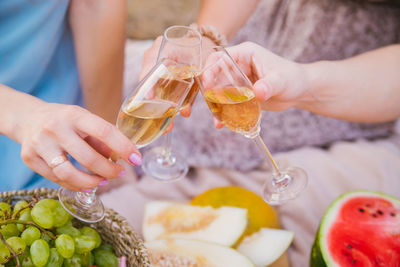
(167, 145)
(265, 152)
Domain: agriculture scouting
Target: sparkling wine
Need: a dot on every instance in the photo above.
(144, 121)
(236, 108)
(168, 89)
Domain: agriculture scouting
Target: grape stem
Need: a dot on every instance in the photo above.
(16, 215)
(15, 255)
(44, 232)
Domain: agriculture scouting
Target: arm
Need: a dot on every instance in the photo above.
(98, 29)
(365, 88)
(214, 12)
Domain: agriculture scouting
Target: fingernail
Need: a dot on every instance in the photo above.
(103, 182)
(122, 173)
(86, 190)
(135, 159)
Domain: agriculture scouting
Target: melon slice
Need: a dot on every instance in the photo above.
(182, 252)
(360, 228)
(266, 246)
(163, 219)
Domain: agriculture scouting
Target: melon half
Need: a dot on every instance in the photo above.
(164, 219)
(183, 253)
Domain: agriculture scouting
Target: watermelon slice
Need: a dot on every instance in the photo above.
(360, 228)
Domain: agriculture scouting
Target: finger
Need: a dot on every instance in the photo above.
(66, 174)
(217, 123)
(150, 57)
(109, 134)
(268, 86)
(99, 146)
(186, 111)
(170, 127)
(70, 177)
(88, 157)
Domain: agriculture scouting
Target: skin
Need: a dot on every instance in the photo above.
(47, 130)
(364, 88)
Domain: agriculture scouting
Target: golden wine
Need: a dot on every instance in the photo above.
(144, 121)
(171, 90)
(236, 108)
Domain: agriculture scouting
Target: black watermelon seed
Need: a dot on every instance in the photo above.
(353, 262)
(349, 246)
(361, 210)
(374, 215)
(379, 212)
(392, 214)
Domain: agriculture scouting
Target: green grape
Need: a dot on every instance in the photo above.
(43, 216)
(27, 262)
(55, 259)
(75, 261)
(60, 215)
(87, 259)
(19, 205)
(4, 252)
(48, 203)
(88, 231)
(30, 235)
(9, 230)
(107, 247)
(24, 217)
(4, 208)
(84, 244)
(16, 243)
(68, 230)
(105, 258)
(39, 252)
(65, 246)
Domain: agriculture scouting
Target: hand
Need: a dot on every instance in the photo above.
(278, 83)
(53, 130)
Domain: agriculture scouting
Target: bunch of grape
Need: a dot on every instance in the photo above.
(41, 233)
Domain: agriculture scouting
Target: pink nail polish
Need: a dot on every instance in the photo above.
(122, 174)
(103, 182)
(135, 159)
(86, 190)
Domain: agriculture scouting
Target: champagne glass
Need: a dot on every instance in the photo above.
(183, 45)
(144, 116)
(230, 97)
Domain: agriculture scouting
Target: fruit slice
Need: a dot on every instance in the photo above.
(265, 246)
(260, 213)
(360, 228)
(163, 219)
(181, 252)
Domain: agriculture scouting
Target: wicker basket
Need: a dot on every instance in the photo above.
(114, 229)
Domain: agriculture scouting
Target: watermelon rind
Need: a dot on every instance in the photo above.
(319, 254)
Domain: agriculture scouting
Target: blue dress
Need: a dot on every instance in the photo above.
(36, 57)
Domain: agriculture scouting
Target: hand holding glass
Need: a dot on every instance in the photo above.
(229, 95)
(144, 116)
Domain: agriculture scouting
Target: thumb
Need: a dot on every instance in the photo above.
(268, 86)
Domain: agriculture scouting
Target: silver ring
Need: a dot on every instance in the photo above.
(56, 161)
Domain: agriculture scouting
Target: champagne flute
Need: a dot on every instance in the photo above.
(183, 45)
(230, 97)
(144, 116)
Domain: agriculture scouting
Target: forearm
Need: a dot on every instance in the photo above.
(365, 88)
(228, 16)
(99, 35)
(14, 105)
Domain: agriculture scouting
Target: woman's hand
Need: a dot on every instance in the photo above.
(278, 83)
(51, 131)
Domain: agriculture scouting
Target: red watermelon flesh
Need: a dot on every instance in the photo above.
(366, 232)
